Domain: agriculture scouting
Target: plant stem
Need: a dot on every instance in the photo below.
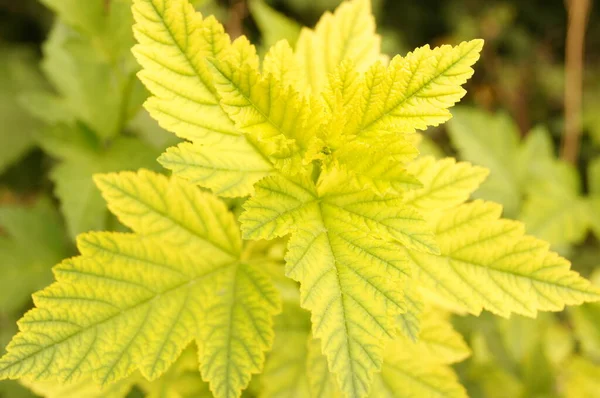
(235, 24)
(578, 11)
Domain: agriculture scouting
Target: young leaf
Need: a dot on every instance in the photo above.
(174, 43)
(279, 62)
(393, 100)
(373, 115)
(347, 34)
(278, 118)
(179, 277)
(344, 251)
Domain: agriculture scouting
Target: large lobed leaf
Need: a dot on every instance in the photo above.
(135, 300)
(410, 369)
(344, 252)
(489, 263)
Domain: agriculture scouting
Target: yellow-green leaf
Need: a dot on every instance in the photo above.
(415, 91)
(344, 250)
(489, 263)
(174, 44)
(279, 119)
(408, 373)
(285, 373)
(347, 34)
(135, 301)
(446, 183)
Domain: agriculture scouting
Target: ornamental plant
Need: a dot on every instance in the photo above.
(326, 279)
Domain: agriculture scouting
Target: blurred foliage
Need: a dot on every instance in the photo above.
(71, 106)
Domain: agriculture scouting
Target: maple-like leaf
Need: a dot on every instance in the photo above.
(136, 300)
(343, 250)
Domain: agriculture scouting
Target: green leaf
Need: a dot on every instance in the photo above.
(86, 81)
(590, 118)
(47, 107)
(594, 199)
(18, 73)
(492, 141)
(80, 200)
(586, 320)
(12, 389)
(150, 132)
(538, 374)
(594, 176)
(536, 155)
(179, 277)
(87, 17)
(25, 270)
(594, 206)
(272, 24)
(344, 252)
(556, 215)
(106, 22)
(554, 209)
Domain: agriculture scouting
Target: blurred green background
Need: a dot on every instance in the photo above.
(71, 106)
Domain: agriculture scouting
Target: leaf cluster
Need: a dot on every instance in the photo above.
(346, 240)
